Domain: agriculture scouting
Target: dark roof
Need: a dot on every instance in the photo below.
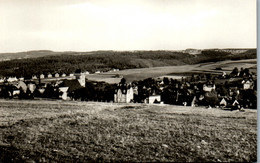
(78, 71)
(30, 82)
(72, 84)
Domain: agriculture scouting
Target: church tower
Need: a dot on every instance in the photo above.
(80, 77)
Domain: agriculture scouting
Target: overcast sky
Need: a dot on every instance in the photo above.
(86, 25)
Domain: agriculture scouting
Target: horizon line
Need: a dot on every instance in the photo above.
(129, 50)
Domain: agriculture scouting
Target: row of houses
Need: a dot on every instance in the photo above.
(57, 75)
(48, 75)
(41, 76)
(29, 87)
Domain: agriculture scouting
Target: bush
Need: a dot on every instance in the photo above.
(211, 98)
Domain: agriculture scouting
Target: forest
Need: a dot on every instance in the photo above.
(107, 60)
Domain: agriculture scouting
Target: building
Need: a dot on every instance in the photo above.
(41, 76)
(247, 84)
(224, 74)
(49, 75)
(234, 91)
(72, 85)
(124, 95)
(21, 86)
(235, 103)
(57, 75)
(16, 92)
(135, 90)
(12, 79)
(31, 87)
(2, 80)
(194, 102)
(208, 87)
(41, 90)
(21, 79)
(81, 77)
(64, 92)
(223, 103)
(154, 99)
(124, 92)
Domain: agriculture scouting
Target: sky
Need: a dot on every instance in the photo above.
(89, 25)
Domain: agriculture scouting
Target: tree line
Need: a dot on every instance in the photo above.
(107, 60)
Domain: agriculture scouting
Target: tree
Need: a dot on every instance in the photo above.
(192, 79)
(222, 90)
(234, 72)
(211, 98)
(246, 72)
(123, 81)
(208, 76)
(198, 78)
(241, 72)
(7, 91)
(166, 81)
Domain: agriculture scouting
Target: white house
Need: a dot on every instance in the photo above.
(224, 74)
(64, 91)
(124, 95)
(223, 102)
(21, 86)
(31, 87)
(2, 80)
(57, 75)
(194, 101)
(247, 84)
(12, 79)
(41, 76)
(21, 79)
(154, 98)
(209, 87)
(49, 75)
(235, 102)
(16, 92)
(41, 90)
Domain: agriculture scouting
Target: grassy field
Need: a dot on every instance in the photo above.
(143, 73)
(57, 131)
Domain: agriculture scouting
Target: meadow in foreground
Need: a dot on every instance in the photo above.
(57, 131)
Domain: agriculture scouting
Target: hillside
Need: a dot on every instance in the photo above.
(59, 131)
(40, 53)
(44, 53)
(67, 62)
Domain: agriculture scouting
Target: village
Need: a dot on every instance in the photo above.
(236, 90)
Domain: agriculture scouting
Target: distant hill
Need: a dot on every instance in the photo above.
(31, 63)
(34, 54)
(44, 53)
